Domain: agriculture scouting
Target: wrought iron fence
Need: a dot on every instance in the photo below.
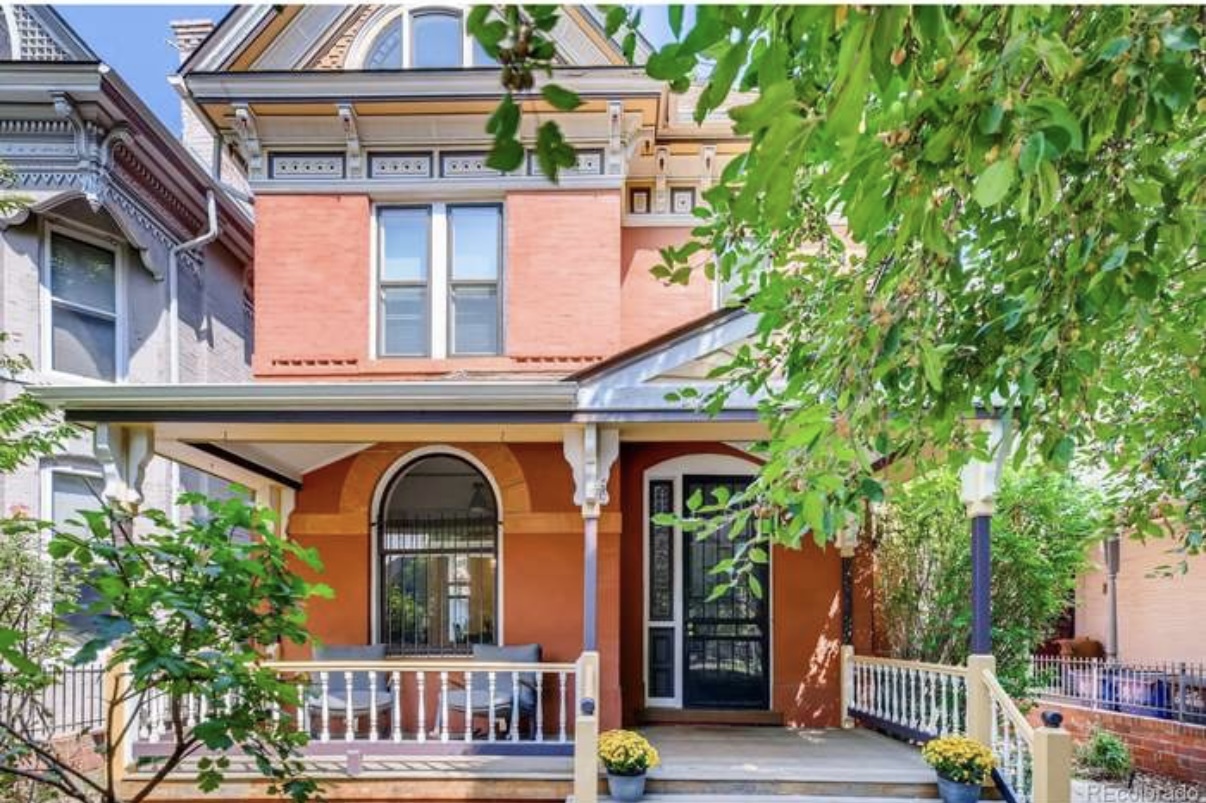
(1173, 690)
(72, 704)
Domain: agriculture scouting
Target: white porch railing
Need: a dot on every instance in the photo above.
(70, 705)
(918, 701)
(1011, 739)
(404, 706)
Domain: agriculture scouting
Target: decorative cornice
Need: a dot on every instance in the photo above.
(248, 139)
(355, 161)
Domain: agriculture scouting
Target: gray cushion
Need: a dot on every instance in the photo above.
(515, 653)
(337, 703)
(336, 680)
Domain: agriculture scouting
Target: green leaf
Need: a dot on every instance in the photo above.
(931, 365)
(1037, 149)
(759, 555)
(940, 145)
(552, 151)
(506, 155)
(667, 64)
(1114, 48)
(993, 184)
(755, 586)
(616, 16)
(1145, 191)
(674, 13)
(1053, 114)
(504, 122)
(560, 98)
(990, 119)
(1180, 38)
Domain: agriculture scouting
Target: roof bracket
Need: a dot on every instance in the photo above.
(248, 140)
(355, 161)
(661, 191)
(615, 138)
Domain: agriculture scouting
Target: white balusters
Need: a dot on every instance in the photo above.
(421, 683)
(491, 683)
(443, 706)
(397, 717)
(302, 707)
(515, 706)
(468, 676)
(372, 678)
(349, 716)
(561, 706)
(324, 680)
(540, 706)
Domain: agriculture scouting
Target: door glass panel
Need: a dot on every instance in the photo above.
(661, 553)
(726, 640)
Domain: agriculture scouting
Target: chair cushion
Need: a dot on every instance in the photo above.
(361, 701)
(514, 653)
(458, 700)
(337, 681)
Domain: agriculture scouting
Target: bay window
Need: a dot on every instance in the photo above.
(440, 280)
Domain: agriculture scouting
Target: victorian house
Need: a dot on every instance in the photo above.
(459, 397)
(123, 262)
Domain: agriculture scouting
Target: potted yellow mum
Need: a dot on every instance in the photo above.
(962, 764)
(626, 755)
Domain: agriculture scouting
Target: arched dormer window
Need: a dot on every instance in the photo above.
(431, 38)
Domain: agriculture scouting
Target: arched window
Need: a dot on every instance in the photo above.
(437, 39)
(386, 50)
(437, 553)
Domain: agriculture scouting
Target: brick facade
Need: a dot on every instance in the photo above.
(1159, 746)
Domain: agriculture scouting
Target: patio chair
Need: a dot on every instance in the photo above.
(338, 692)
(478, 703)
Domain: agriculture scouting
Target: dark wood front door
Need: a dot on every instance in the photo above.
(726, 642)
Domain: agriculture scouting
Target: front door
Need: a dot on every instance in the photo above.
(726, 642)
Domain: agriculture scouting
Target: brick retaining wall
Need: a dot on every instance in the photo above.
(1175, 749)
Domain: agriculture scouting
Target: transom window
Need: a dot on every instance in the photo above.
(82, 280)
(432, 38)
(439, 280)
(437, 553)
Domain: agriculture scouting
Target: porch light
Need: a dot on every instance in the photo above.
(478, 503)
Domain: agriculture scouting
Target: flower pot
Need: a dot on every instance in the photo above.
(627, 788)
(955, 792)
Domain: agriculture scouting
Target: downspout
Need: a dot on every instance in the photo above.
(206, 237)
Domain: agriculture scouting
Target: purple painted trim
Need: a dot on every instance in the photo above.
(981, 546)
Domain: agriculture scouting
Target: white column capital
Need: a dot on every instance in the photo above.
(590, 452)
(123, 452)
(981, 479)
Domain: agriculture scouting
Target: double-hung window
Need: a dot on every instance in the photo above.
(82, 282)
(440, 273)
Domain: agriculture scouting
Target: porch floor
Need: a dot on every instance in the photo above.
(728, 753)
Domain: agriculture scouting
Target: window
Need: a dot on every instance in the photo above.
(405, 281)
(440, 280)
(83, 308)
(432, 38)
(437, 553)
(436, 39)
(70, 493)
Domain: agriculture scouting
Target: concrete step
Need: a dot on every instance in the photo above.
(690, 798)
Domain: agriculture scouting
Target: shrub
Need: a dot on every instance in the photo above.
(959, 758)
(1104, 755)
(626, 752)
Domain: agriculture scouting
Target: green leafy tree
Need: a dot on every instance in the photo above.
(184, 612)
(943, 208)
(1041, 532)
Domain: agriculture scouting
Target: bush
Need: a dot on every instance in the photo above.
(1040, 532)
(1105, 756)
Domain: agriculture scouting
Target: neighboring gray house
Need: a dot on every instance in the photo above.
(127, 264)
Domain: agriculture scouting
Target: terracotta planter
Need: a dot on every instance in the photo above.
(626, 788)
(955, 792)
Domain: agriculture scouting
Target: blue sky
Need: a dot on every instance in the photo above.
(135, 40)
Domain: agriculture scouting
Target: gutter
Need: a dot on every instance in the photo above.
(206, 237)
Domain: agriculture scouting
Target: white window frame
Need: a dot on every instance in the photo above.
(673, 470)
(97, 239)
(439, 281)
(362, 50)
(46, 485)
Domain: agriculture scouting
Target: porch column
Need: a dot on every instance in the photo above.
(980, 482)
(847, 543)
(590, 452)
(123, 451)
(1113, 561)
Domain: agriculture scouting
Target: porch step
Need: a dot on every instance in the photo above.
(659, 798)
(707, 716)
